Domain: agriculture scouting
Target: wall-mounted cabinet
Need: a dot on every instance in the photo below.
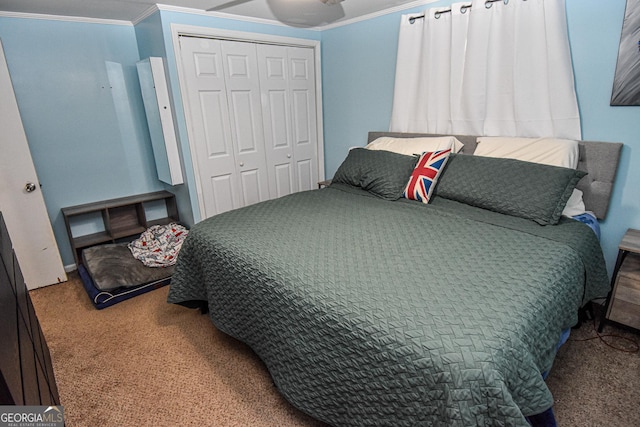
(157, 106)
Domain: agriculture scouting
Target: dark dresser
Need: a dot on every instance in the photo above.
(26, 372)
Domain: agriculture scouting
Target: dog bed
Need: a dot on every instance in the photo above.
(110, 274)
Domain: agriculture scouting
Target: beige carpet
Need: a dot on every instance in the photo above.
(144, 362)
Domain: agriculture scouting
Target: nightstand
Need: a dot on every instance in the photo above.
(324, 183)
(623, 302)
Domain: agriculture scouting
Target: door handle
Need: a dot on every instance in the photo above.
(30, 187)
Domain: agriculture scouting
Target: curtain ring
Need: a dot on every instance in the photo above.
(489, 3)
(464, 7)
(437, 15)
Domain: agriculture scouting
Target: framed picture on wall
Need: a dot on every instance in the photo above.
(626, 82)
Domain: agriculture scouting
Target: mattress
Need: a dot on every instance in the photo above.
(376, 312)
(111, 274)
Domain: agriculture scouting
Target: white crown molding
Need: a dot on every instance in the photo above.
(222, 15)
(64, 18)
(147, 13)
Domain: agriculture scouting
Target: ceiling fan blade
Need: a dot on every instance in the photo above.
(228, 4)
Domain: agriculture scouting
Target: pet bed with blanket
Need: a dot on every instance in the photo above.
(112, 273)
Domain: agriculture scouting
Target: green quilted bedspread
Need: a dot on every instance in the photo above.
(373, 312)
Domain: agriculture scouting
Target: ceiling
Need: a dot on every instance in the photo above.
(299, 13)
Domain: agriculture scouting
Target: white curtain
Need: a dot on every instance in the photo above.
(494, 68)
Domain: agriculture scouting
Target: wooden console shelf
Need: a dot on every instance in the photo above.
(124, 218)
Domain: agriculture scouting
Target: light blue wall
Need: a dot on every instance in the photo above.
(594, 32)
(86, 128)
(358, 72)
(85, 149)
(149, 36)
(77, 89)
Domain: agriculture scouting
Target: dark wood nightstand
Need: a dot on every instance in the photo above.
(324, 183)
(623, 302)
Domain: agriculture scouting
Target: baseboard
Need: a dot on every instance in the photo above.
(71, 267)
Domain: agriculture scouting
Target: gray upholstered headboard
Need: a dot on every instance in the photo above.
(598, 159)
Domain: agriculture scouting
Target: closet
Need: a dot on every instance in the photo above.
(252, 117)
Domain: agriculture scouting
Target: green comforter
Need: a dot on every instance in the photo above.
(373, 312)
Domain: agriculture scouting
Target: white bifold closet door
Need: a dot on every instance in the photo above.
(287, 83)
(252, 114)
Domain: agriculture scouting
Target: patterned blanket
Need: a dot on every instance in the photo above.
(159, 245)
(371, 312)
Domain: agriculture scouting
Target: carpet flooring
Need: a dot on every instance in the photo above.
(144, 362)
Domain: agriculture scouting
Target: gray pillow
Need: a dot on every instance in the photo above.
(382, 173)
(528, 190)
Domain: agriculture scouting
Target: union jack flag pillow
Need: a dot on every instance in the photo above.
(425, 175)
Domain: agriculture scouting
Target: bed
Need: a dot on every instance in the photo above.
(374, 310)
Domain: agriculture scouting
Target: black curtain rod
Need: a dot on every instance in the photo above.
(464, 8)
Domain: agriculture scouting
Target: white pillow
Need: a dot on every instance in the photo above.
(411, 146)
(549, 151)
(575, 204)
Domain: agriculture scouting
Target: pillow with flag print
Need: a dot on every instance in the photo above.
(425, 175)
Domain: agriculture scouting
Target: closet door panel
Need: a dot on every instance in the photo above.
(244, 124)
(278, 105)
(219, 163)
(304, 112)
(212, 104)
(251, 187)
(307, 175)
(243, 93)
(301, 117)
(274, 84)
(279, 147)
(223, 194)
(210, 124)
(284, 179)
